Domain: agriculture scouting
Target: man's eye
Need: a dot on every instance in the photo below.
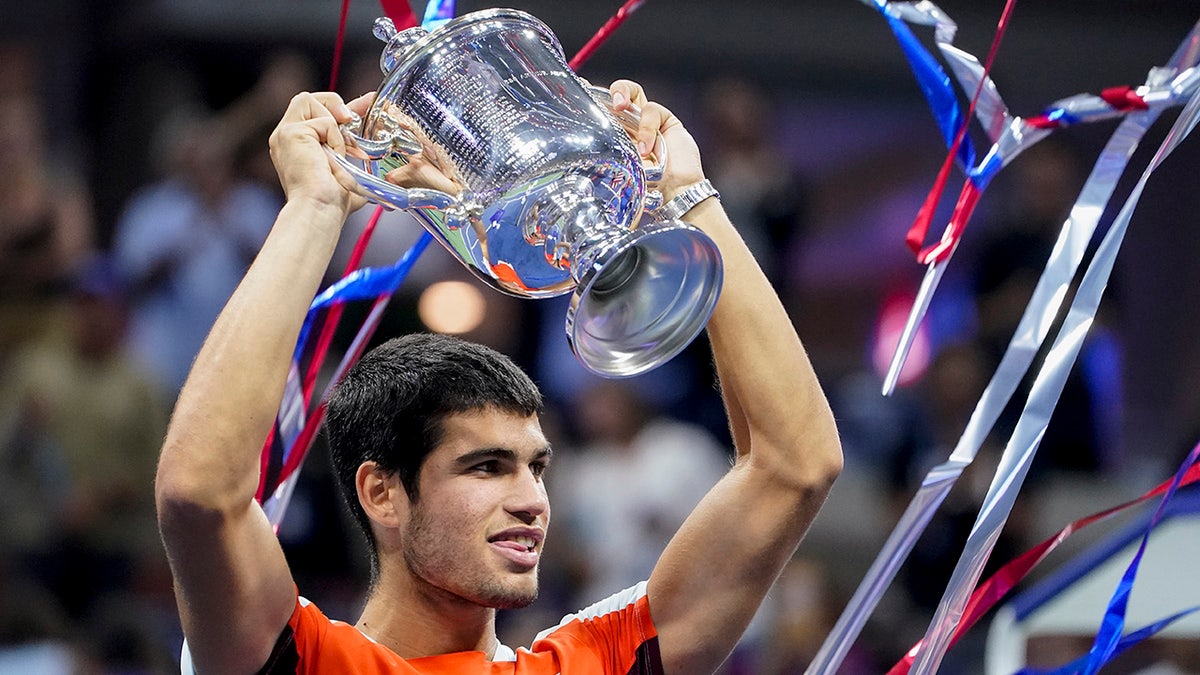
(539, 468)
(487, 467)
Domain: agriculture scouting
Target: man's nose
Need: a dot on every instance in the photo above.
(528, 500)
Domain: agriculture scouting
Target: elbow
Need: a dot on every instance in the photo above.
(823, 449)
(831, 461)
(808, 465)
(187, 515)
(187, 495)
(180, 503)
(821, 469)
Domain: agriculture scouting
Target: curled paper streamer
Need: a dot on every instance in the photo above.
(276, 505)
(992, 114)
(991, 591)
(1031, 332)
(1010, 136)
(280, 450)
(1047, 386)
(1109, 641)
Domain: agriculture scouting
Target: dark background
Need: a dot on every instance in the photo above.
(847, 116)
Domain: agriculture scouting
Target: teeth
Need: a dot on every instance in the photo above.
(527, 542)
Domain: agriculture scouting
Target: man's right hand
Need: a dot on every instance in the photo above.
(297, 150)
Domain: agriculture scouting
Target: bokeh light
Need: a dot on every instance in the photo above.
(451, 307)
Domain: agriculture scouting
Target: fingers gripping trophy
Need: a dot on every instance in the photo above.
(529, 177)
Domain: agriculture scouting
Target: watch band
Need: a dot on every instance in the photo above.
(688, 199)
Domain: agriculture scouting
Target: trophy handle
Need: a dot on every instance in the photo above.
(629, 119)
(376, 189)
(388, 143)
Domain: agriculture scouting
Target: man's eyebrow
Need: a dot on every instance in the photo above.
(484, 454)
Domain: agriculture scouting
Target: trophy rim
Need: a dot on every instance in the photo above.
(708, 281)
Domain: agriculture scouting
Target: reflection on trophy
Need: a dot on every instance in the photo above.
(543, 191)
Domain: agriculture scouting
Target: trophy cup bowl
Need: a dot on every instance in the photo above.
(544, 191)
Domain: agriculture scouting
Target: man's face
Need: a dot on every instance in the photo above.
(479, 523)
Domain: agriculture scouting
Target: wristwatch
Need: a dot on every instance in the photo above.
(688, 199)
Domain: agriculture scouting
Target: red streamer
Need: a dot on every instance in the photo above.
(400, 12)
(920, 227)
(1124, 98)
(337, 46)
(991, 591)
(967, 200)
(604, 33)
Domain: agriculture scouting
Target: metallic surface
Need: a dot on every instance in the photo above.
(550, 196)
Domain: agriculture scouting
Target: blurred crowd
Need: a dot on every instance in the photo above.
(99, 322)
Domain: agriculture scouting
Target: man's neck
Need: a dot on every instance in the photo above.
(415, 620)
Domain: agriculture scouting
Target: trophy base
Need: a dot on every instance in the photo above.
(645, 298)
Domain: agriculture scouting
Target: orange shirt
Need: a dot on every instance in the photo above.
(613, 637)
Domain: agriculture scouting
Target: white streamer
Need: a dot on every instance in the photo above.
(1043, 396)
(1027, 340)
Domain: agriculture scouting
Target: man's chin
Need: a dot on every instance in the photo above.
(514, 601)
(510, 598)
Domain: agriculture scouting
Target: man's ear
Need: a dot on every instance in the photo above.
(381, 495)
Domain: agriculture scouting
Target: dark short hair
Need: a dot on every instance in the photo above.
(389, 407)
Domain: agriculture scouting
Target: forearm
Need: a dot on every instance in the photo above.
(774, 401)
(788, 457)
(229, 402)
(702, 596)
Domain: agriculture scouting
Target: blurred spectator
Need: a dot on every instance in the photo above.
(82, 425)
(952, 386)
(614, 514)
(33, 630)
(248, 121)
(80, 428)
(185, 240)
(609, 500)
(761, 193)
(45, 211)
(803, 614)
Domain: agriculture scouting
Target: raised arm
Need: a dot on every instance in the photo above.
(232, 583)
(719, 566)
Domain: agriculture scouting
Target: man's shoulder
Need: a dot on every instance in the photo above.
(620, 619)
(313, 642)
(615, 635)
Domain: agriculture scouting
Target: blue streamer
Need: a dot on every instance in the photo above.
(1114, 617)
(987, 169)
(363, 284)
(1109, 643)
(934, 83)
(1078, 665)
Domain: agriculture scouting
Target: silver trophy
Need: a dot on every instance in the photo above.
(544, 193)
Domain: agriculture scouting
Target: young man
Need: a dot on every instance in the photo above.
(458, 532)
